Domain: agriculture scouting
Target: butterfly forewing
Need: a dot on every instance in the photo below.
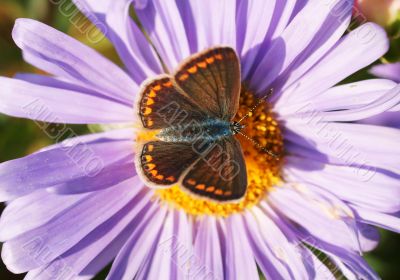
(162, 104)
(212, 80)
(220, 174)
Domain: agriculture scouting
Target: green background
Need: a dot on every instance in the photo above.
(19, 137)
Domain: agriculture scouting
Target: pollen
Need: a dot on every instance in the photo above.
(263, 169)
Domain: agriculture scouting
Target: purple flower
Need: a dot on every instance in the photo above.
(78, 205)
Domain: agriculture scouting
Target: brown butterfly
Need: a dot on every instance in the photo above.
(190, 114)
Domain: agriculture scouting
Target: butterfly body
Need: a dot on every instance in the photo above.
(189, 133)
(208, 130)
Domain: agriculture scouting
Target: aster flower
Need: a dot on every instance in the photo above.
(77, 206)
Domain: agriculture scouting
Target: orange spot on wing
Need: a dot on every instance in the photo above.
(183, 77)
(159, 177)
(150, 166)
(202, 64)
(157, 87)
(210, 60)
(152, 93)
(149, 102)
(153, 172)
(210, 189)
(171, 179)
(228, 193)
(150, 148)
(147, 111)
(168, 84)
(219, 56)
(218, 192)
(148, 158)
(201, 187)
(192, 70)
(150, 123)
(191, 182)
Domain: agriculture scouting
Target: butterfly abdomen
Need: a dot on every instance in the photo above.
(209, 130)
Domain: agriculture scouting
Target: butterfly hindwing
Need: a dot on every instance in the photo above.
(162, 104)
(212, 79)
(220, 174)
(162, 163)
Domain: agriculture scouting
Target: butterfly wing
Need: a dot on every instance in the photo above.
(220, 174)
(212, 80)
(163, 163)
(162, 104)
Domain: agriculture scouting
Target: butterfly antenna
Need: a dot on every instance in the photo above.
(259, 146)
(255, 106)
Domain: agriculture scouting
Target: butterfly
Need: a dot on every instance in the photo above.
(189, 117)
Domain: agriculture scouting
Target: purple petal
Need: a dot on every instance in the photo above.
(319, 216)
(282, 16)
(184, 233)
(305, 40)
(135, 252)
(389, 119)
(160, 260)
(388, 101)
(321, 271)
(73, 60)
(353, 52)
(369, 237)
(209, 23)
(342, 97)
(207, 247)
(60, 83)
(345, 103)
(387, 221)
(88, 256)
(110, 176)
(34, 210)
(252, 24)
(239, 262)
(345, 144)
(387, 71)
(42, 245)
(354, 263)
(67, 162)
(58, 105)
(276, 256)
(130, 42)
(329, 33)
(370, 189)
(165, 28)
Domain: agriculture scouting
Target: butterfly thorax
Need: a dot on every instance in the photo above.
(209, 130)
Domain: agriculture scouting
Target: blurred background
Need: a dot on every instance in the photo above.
(19, 137)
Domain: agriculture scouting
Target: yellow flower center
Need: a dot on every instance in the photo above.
(263, 170)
